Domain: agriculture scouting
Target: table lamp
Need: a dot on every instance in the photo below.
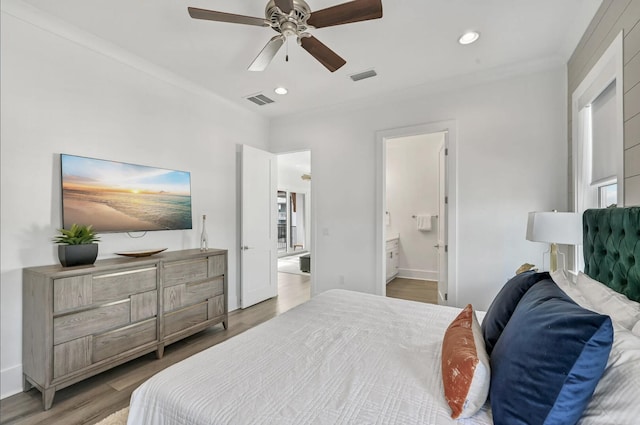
(555, 228)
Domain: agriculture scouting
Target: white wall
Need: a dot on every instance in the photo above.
(73, 97)
(511, 159)
(411, 190)
(290, 177)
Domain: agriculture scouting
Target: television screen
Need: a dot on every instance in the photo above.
(120, 197)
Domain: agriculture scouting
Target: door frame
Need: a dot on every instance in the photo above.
(451, 172)
(443, 207)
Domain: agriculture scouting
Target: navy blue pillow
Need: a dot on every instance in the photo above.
(505, 303)
(548, 360)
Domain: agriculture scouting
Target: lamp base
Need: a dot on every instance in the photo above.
(553, 260)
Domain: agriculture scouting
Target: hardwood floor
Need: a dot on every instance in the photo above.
(425, 291)
(92, 400)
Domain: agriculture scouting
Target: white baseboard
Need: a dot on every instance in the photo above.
(10, 381)
(418, 274)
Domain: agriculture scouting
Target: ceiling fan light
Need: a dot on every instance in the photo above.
(281, 90)
(469, 37)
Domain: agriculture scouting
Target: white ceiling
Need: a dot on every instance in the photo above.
(414, 44)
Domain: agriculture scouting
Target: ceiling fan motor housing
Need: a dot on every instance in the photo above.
(292, 23)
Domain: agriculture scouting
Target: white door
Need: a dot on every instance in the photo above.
(258, 232)
(442, 223)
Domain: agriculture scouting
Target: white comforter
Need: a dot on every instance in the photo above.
(346, 358)
(342, 358)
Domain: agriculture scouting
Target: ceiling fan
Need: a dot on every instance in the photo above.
(294, 18)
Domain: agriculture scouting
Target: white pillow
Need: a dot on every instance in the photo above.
(615, 400)
(605, 300)
(570, 288)
(636, 329)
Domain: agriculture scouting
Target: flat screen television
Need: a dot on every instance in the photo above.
(120, 197)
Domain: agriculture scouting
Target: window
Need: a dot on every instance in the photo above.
(597, 133)
(601, 117)
(608, 195)
(597, 145)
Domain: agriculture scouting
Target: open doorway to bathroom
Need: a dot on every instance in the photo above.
(294, 216)
(447, 209)
(415, 216)
(412, 217)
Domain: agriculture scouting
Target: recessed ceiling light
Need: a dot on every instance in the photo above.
(468, 37)
(281, 90)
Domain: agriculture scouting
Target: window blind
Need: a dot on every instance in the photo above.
(603, 132)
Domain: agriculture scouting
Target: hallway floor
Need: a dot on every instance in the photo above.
(291, 264)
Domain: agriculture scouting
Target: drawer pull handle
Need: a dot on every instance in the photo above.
(183, 262)
(92, 307)
(102, 276)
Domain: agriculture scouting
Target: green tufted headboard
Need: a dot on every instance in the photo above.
(611, 238)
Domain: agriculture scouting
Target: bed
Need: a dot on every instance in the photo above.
(353, 358)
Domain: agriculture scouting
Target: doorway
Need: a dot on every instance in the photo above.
(416, 207)
(294, 213)
(412, 218)
(260, 173)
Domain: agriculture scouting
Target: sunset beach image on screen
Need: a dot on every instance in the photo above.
(120, 197)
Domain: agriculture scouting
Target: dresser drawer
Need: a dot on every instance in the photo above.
(144, 305)
(71, 356)
(177, 272)
(217, 264)
(115, 286)
(72, 292)
(185, 318)
(120, 340)
(179, 296)
(216, 306)
(92, 321)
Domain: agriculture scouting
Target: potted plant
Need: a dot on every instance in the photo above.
(77, 245)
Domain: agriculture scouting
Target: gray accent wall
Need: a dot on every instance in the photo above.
(612, 17)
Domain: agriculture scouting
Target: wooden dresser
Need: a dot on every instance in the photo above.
(80, 321)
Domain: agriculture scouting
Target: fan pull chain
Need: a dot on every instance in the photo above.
(286, 58)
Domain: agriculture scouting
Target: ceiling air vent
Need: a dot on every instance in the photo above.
(259, 99)
(362, 75)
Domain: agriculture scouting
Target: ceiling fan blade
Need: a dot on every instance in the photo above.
(212, 15)
(345, 13)
(285, 5)
(322, 53)
(265, 56)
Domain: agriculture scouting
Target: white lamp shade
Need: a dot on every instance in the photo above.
(555, 227)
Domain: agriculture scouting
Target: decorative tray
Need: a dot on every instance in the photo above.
(143, 253)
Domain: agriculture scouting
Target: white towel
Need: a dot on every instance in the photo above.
(423, 222)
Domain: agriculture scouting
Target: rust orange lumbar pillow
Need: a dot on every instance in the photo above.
(465, 365)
